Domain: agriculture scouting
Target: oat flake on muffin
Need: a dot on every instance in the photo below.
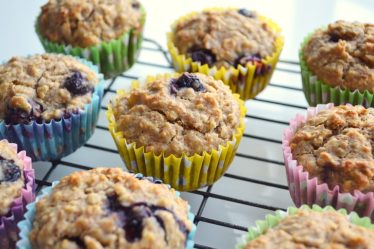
(109, 208)
(189, 114)
(44, 87)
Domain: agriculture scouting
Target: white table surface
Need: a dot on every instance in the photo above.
(256, 181)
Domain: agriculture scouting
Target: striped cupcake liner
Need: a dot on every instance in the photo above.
(318, 92)
(113, 57)
(25, 226)
(8, 223)
(57, 138)
(306, 190)
(184, 173)
(246, 81)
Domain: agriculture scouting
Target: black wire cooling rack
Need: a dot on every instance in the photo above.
(254, 185)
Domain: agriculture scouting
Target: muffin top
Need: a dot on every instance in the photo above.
(310, 229)
(224, 38)
(84, 23)
(336, 146)
(189, 114)
(343, 55)
(44, 87)
(11, 176)
(109, 208)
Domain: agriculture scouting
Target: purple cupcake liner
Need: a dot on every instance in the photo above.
(8, 223)
(306, 190)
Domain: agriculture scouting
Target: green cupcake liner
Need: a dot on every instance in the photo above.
(318, 92)
(113, 57)
(272, 220)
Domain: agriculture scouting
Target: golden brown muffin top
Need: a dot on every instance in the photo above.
(44, 87)
(112, 209)
(343, 55)
(85, 23)
(315, 230)
(336, 146)
(224, 37)
(189, 114)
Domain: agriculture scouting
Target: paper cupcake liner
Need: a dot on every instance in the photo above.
(113, 57)
(305, 190)
(57, 138)
(8, 223)
(247, 81)
(318, 92)
(25, 226)
(183, 173)
(273, 220)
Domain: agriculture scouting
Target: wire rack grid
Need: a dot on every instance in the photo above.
(254, 185)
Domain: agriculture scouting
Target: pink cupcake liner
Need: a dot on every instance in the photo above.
(8, 223)
(305, 190)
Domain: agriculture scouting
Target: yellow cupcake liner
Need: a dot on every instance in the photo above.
(184, 173)
(241, 80)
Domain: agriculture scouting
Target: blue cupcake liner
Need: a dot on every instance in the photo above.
(25, 226)
(57, 138)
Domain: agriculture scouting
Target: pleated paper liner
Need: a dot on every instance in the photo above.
(306, 190)
(113, 57)
(318, 92)
(183, 173)
(8, 223)
(57, 138)
(272, 220)
(25, 226)
(241, 80)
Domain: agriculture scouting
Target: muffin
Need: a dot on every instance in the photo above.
(49, 103)
(337, 64)
(108, 208)
(311, 228)
(333, 147)
(108, 33)
(237, 46)
(17, 189)
(182, 128)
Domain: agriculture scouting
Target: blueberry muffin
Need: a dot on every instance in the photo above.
(86, 23)
(109, 208)
(342, 55)
(12, 179)
(185, 114)
(238, 46)
(225, 38)
(44, 87)
(311, 229)
(336, 146)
